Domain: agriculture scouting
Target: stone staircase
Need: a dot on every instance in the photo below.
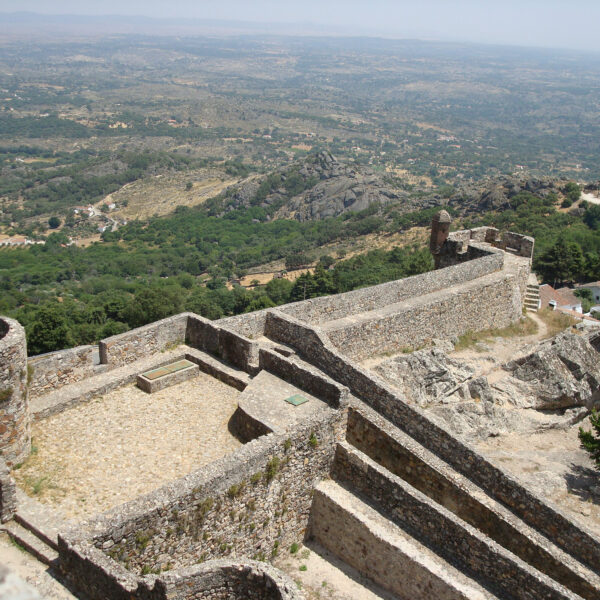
(532, 297)
(410, 523)
(35, 529)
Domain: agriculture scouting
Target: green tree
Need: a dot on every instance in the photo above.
(572, 191)
(561, 262)
(54, 222)
(279, 290)
(587, 299)
(48, 332)
(590, 440)
(152, 304)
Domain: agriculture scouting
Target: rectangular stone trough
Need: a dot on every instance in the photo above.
(158, 379)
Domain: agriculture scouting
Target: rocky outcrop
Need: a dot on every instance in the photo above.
(562, 373)
(471, 198)
(331, 188)
(425, 376)
(552, 387)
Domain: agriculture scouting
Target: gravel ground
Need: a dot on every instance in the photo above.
(553, 464)
(108, 451)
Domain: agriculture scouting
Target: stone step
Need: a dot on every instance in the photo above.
(41, 520)
(360, 536)
(449, 535)
(30, 542)
(405, 458)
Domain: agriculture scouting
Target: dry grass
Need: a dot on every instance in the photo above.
(556, 321)
(162, 194)
(524, 327)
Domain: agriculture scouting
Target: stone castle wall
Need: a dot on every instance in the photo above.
(311, 343)
(439, 528)
(51, 371)
(226, 580)
(232, 338)
(15, 436)
(486, 303)
(328, 308)
(143, 341)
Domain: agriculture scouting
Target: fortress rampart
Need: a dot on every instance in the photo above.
(199, 536)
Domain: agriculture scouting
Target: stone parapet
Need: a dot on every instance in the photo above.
(143, 341)
(47, 372)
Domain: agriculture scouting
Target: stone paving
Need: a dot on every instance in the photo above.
(110, 450)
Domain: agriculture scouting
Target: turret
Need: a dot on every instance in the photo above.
(440, 228)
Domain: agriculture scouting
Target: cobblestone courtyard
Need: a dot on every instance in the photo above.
(100, 454)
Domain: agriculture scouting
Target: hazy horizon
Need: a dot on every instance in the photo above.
(550, 23)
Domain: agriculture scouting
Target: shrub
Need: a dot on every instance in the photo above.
(590, 440)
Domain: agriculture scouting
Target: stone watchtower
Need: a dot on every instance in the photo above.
(15, 436)
(440, 228)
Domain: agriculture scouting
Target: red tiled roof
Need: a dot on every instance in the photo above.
(562, 297)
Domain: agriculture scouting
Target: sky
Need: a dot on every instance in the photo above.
(545, 23)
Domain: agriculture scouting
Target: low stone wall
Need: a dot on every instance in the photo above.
(150, 386)
(228, 345)
(92, 574)
(403, 457)
(249, 503)
(8, 494)
(312, 344)
(305, 377)
(490, 302)
(247, 427)
(15, 436)
(224, 580)
(520, 245)
(47, 372)
(250, 325)
(440, 529)
(143, 341)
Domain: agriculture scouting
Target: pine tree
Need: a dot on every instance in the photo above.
(590, 440)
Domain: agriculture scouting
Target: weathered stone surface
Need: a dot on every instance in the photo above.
(425, 376)
(562, 373)
(8, 494)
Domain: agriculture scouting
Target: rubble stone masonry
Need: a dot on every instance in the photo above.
(15, 436)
